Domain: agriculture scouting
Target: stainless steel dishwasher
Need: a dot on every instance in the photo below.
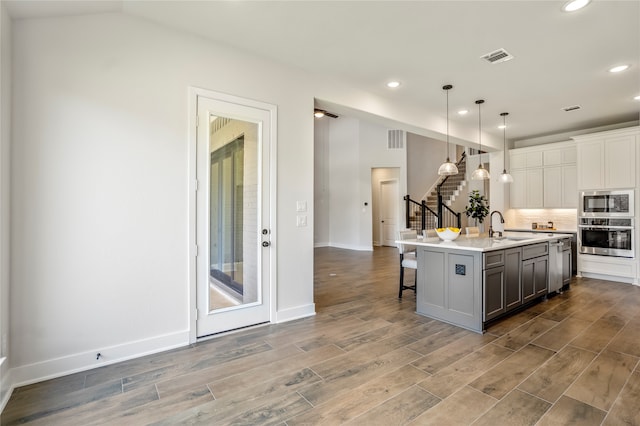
(557, 257)
(555, 266)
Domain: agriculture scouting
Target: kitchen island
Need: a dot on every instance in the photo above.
(473, 280)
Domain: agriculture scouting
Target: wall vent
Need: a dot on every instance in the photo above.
(395, 139)
(571, 108)
(497, 56)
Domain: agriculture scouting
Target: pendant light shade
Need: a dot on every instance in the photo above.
(447, 168)
(504, 176)
(480, 173)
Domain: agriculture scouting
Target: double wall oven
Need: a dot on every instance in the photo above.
(606, 223)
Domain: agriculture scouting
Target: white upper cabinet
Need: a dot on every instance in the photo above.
(544, 176)
(607, 160)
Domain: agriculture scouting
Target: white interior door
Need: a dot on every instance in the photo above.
(233, 232)
(389, 211)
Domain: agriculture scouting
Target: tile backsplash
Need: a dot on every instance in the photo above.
(563, 219)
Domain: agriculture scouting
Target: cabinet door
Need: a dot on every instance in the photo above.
(534, 188)
(553, 187)
(569, 187)
(493, 292)
(590, 165)
(541, 275)
(512, 278)
(535, 274)
(518, 190)
(528, 279)
(620, 162)
(517, 161)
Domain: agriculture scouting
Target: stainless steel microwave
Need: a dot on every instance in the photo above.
(607, 203)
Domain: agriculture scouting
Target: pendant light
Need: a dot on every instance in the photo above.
(480, 173)
(504, 176)
(447, 168)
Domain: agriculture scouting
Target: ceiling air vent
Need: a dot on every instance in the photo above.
(497, 56)
(571, 108)
(395, 139)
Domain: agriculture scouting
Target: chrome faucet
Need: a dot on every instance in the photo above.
(491, 233)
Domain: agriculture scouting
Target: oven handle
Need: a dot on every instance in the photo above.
(605, 227)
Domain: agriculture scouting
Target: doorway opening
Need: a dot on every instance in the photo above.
(385, 208)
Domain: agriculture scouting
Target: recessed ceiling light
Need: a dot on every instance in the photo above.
(637, 98)
(502, 126)
(619, 68)
(393, 84)
(463, 112)
(573, 5)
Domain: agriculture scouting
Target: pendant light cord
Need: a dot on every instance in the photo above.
(504, 139)
(448, 126)
(480, 102)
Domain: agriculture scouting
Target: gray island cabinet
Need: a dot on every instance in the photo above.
(474, 280)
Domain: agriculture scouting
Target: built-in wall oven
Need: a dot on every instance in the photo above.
(607, 236)
(607, 203)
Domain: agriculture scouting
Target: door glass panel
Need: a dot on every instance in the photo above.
(233, 207)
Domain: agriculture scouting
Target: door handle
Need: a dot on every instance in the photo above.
(266, 244)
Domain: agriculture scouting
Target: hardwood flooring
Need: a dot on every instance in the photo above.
(366, 358)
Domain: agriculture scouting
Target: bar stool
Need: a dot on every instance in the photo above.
(407, 259)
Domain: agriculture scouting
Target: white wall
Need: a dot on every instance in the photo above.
(347, 153)
(100, 186)
(5, 144)
(424, 157)
(344, 184)
(321, 225)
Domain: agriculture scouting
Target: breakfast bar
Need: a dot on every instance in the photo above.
(471, 281)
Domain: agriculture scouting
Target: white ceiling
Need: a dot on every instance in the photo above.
(561, 59)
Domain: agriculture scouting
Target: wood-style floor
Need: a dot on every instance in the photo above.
(367, 359)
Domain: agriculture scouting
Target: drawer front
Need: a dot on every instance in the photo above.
(535, 250)
(493, 258)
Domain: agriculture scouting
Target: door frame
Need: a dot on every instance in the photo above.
(380, 206)
(194, 93)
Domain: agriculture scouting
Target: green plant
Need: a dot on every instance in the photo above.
(478, 207)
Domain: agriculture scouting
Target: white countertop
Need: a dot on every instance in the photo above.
(484, 243)
(556, 230)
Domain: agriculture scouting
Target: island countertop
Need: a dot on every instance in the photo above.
(483, 243)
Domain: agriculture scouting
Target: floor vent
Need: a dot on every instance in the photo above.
(395, 139)
(497, 56)
(571, 108)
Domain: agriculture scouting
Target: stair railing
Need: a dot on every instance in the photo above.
(443, 217)
(447, 216)
(415, 209)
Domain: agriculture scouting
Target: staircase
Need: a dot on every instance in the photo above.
(427, 209)
(449, 190)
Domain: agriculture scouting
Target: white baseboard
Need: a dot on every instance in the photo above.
(316, 245)
(625, 280)
(296, 313)
(352, 247)
(32, 373)
(5, 383)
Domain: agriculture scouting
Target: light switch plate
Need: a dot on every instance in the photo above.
(301, 206)
(301, 220)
